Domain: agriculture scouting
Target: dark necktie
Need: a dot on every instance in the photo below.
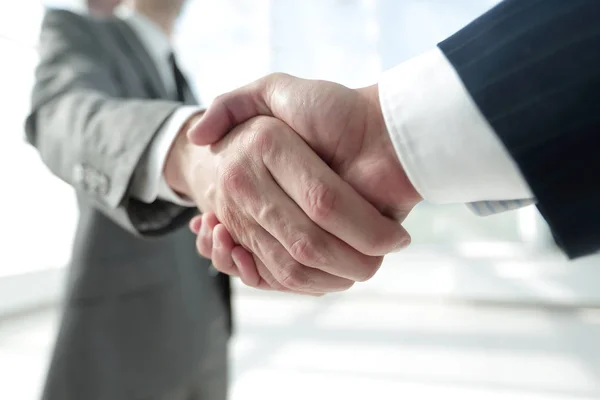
(181, 83)
(184, 93)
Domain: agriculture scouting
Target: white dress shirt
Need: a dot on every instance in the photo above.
(447, 148)
(148, 182)
(449, 151)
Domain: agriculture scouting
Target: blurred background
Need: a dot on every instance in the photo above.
(481, 308)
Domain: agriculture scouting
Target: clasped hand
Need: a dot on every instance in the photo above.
(306, 193)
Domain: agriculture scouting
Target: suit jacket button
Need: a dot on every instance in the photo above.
(78, 174)
(102, 185)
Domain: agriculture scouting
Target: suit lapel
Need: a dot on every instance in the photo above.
(142, 59)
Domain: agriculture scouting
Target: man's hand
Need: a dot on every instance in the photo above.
(309, 230)
(344, 126)
(102, 8)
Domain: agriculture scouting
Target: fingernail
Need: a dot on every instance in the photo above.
(203, 230)
(404, 243)
(194, 124)
(193, 127)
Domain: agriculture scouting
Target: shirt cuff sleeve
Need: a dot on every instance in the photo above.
(149, 183)
(449, 151)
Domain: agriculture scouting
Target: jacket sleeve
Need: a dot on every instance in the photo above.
(88, 136)
(533, 69)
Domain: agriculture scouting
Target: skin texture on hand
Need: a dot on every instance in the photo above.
(345, 127)
(308, 230)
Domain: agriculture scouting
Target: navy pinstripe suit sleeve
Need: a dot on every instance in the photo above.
(533, 69)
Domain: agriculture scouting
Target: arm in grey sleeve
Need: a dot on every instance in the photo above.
(88, 136)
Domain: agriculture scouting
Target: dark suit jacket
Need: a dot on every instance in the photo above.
(533, 68)
(142, 309)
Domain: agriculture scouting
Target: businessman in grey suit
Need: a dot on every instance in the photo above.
(142, 319)
(145, 317)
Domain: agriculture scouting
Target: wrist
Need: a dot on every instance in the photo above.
(177, 168)
(382, 148)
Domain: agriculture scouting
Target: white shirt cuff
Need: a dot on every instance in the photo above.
(449, 151)
(148, 182)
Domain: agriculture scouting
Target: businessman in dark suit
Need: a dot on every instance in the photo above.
(504, 113)
(145, 317)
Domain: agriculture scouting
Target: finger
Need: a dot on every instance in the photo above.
(209, 221)
(253, 196)
(226, 253)
(245, 264)
(221, 253)
(223, 259)
(201, 247)
(281, 270)
(325, 198)
(267, 96)
(310, 245)
(266, 279)
(243, 260)
(284, 221)
(368, 231)
(262, 200)
(228, 111)
(195, 224)
(204, 243)
(275, 286)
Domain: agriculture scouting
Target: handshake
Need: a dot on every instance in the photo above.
(299, 184)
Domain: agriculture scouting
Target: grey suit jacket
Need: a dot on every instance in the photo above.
(142, 310)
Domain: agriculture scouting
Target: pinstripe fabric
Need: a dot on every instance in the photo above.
(533, 69)
(485, 208)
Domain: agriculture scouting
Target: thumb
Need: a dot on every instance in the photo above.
(229, 110)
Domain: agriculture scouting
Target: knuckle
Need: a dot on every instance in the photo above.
(269, 213)
(306, 251)
(227, 215)
(234, 180)
(276, 76)
(295, 277)
(264, 134)
(321, 201)
(222, 99)
(236, 223)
